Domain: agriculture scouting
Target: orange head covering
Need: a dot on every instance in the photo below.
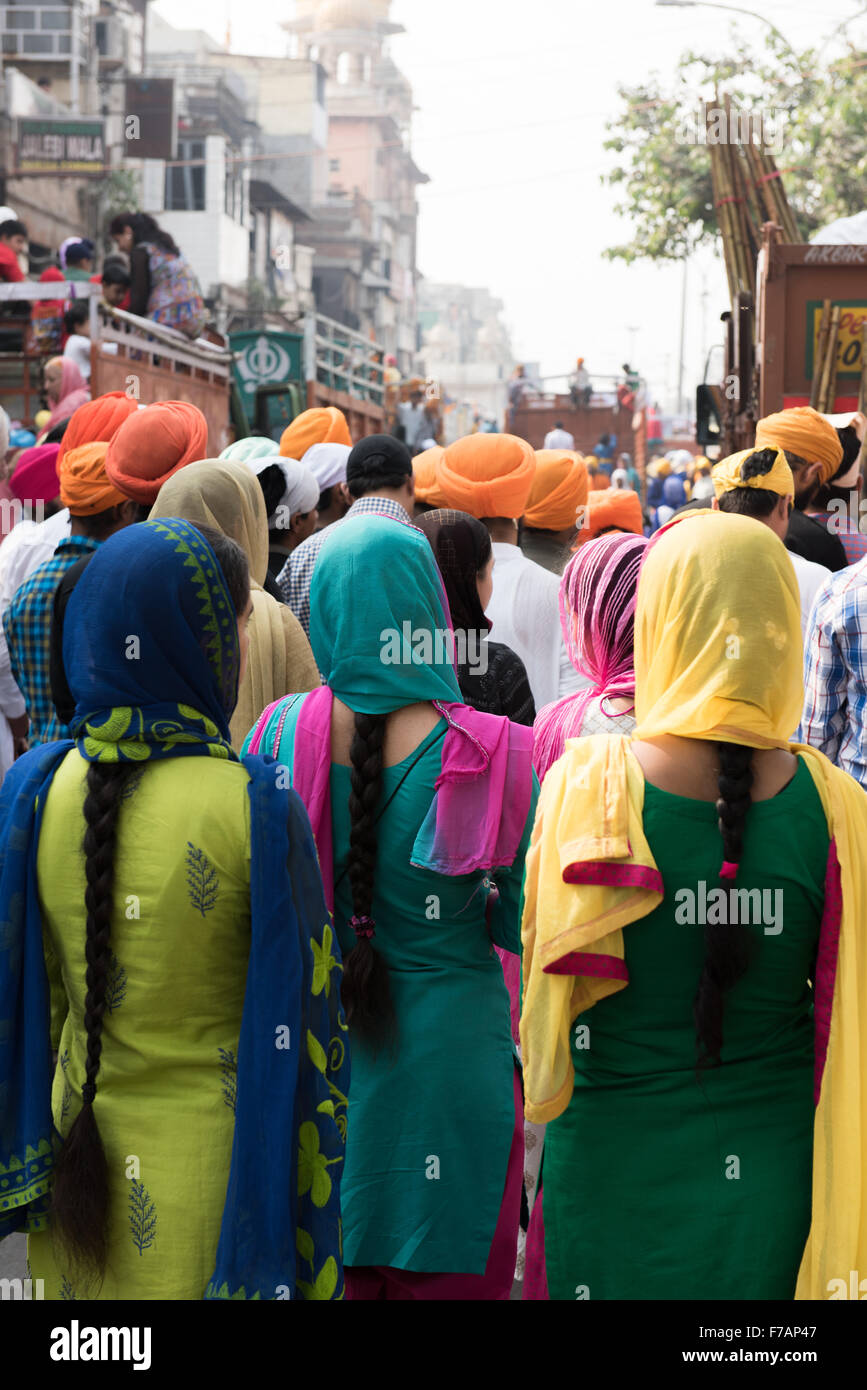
(599, 481)
(326, 425)
(805, 432)
(152, 445)
(84, 486)
(424, 468)
(559, 488)
(617, 509)
(99, 419)
(487, 475)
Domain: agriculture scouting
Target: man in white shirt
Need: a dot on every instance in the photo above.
(761, 484)
(558, 438)
(490, 476)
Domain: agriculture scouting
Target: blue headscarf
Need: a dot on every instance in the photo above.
(380, 627)
(172, 696)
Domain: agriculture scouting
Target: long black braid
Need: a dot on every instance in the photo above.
(366, 991)
(80, 1197)
(729, 947)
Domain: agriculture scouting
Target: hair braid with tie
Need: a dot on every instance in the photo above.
(366, 991)
(729, 945)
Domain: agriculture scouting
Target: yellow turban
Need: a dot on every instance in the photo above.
(84, 485)
(424, 468)
(805, 432)
(321, 426)
(487, 475)
(727, 475)
(559, 488)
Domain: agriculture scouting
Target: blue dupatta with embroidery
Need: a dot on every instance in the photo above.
(152, 655)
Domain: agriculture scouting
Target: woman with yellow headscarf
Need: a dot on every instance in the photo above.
(225, 495)
(694, 1026)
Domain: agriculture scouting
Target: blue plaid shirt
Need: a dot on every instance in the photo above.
(853, 540)
(27, 624)
(295, 576)
(835, 677)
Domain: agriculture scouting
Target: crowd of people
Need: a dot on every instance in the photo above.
(415, 881)
(145, 274)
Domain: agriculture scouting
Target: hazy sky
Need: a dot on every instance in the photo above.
(512, 102)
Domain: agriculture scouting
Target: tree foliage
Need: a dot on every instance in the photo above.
(663, 177)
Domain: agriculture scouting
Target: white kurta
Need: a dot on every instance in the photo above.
(525, 612)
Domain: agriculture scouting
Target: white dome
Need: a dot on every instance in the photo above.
(346, 14)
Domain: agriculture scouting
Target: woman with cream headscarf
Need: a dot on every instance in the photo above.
(225, 495)
(700, 888)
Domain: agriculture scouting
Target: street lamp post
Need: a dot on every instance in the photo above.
(733, 9)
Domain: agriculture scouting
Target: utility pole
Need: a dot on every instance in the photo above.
(682, 353)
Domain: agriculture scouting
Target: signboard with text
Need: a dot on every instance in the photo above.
(850, 340)
(60, 144)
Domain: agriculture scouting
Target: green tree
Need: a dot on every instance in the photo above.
(663, 178)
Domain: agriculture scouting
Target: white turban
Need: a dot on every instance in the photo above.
(327, 463)
(4, 434)
(8, 214)
(301, 491)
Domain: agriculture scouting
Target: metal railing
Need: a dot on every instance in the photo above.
(343, 360)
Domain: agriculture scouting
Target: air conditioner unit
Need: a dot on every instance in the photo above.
(111, 39)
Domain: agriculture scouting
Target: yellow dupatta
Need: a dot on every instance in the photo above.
(709, 579)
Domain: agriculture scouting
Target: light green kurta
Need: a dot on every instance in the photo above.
(180, 940)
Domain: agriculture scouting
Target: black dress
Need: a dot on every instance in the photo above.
(502, 689)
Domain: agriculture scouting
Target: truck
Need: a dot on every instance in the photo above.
(257, 382)
(772, 341)
(278, 374)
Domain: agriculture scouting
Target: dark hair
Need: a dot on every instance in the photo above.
(115, 273)
(729, 947)
(12, 228)
(377, 461)
(752, 501)
(79, 251)
(831, 491)
(558, 425)
(272, 481)
(77, 313)
(80, 1197)
(366, 990)
(56, 433)
(144, 228)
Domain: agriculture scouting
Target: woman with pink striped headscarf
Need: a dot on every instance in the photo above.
(597, 614)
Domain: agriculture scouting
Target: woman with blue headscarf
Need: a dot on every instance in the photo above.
(421, 809)
(164, 931)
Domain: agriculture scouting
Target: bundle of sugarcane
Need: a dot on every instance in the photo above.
(731, 199)
(824, 389)
(768, 185)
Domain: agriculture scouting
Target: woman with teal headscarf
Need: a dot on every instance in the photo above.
(421, 810)
(188, 1146)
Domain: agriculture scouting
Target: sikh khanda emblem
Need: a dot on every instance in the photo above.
(262, 361)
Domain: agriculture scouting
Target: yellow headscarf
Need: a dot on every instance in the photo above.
(590, 872)
(225, 495)
(718, 651)
(727, 475)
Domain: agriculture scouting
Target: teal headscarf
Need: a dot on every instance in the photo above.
(243, 450)
(379, 618)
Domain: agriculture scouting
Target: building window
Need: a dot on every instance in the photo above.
(334, 166)
(25, 19)
(50, 19)
(185, 183)
(37, 43)
(233, 201)
(344, 68)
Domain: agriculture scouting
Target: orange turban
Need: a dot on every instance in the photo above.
(424, 468)
(559, 488)
(99, 419)
(616, 509)
(326, 425)
(84, 486)
(599, 481)
(152, 445)
(805, 432)
(487, 475)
